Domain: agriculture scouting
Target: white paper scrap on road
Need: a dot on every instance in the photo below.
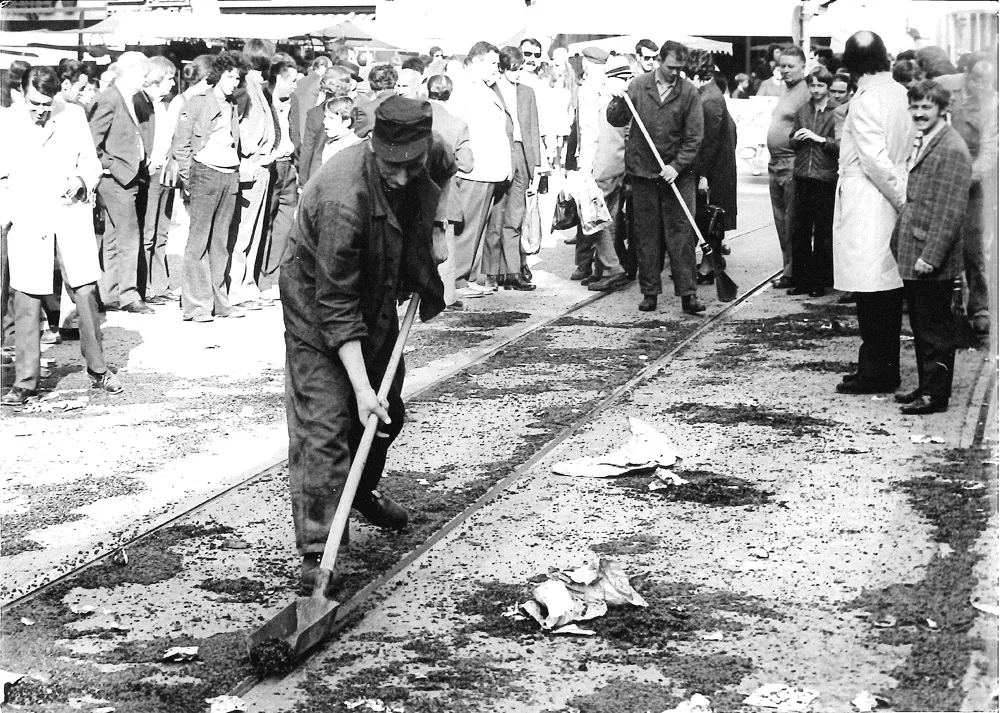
(580, 595)
(226, 704)
(180, 654)
(8, 678)
(865, 702)
(645, 450)
(695, 704)
(782, 697)
(923, 438)
(373, 704)
(665, 480)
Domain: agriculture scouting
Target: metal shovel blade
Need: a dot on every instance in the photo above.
(725, 288)
(302, 624)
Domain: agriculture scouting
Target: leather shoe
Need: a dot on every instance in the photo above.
(795, 291)
(526, 274)
(924, 404)
(864, 387)
(818, 292)
(380, 510)
(648, 303)
(18, 396)
(590, 280)
(691, 305)
(156, 300)
(782, 283)
(580, 274)
(138, 307)
(514, 282)
(848, 378)
(611, 282)
(907, 397)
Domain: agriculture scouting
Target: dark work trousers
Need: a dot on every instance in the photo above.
(122, 240)
(6, 294)
(935, 334)
(659, 222)
(27, 338)
(154, 277)
(976, 272)
(502, 250)
(206, 255)
(283, 196)
(477, 200)
(624, 232)
(880, 319)
(812, 233)
(323, 437)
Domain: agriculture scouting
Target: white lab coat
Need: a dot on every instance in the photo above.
(877, 139)
(35, 164)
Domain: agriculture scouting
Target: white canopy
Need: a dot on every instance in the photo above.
(661, 21)
(625, 44)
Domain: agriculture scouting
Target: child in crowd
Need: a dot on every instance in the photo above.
(815, 175)
(339, 115)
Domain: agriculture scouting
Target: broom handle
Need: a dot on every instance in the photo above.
(358, 465)
(652, 147)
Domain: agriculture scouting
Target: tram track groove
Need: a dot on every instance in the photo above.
(477, 358)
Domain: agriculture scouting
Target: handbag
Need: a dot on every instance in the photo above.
(531, 227)
(565, 215)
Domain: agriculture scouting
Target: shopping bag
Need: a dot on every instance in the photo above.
(594, 214)
(565, 215)
(531, 228)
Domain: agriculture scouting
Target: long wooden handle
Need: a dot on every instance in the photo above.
(358, 465)
(652, 147)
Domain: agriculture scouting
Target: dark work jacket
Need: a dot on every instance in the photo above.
(716, 158)
(676, 125)
(812, 160)
(345, 267)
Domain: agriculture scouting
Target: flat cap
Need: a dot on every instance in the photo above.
(402, 130)
(596, 54)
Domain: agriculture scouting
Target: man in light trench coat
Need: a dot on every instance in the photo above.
(877, 139)
(48, 172)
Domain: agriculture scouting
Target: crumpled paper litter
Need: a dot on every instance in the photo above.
(180, 654)
(585, 593)
(645, 450)
(226, 704)
(782, 697)
(695, 704)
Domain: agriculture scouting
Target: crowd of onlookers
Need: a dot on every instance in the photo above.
(228, 141)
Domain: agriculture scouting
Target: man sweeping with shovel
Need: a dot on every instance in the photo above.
(362, 242)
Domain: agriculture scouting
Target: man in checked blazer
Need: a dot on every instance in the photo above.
(927, 243)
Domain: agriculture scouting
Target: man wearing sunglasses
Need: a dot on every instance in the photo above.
(647, 52)
(532, 51)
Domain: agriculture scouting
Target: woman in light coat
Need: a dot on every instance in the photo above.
(871, 190)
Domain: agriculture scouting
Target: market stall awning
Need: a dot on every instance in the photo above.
(664, 20)
(143, 26)
(625, 44)
(352, 35)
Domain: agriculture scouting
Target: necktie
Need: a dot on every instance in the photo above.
(917, 145)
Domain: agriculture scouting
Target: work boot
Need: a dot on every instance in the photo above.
(309, 572)
(106, 381)
(648, 303)
(580, 273)
(691, 305)
(380, 510)
(612, 282)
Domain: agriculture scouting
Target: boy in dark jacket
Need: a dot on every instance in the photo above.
(927, 243)
(815, 176)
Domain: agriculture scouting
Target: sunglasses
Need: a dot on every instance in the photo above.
(531, 54)
(648, 57)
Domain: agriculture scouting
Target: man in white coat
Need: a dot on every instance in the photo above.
(876, 142)
(480, 107)
(48, 171)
